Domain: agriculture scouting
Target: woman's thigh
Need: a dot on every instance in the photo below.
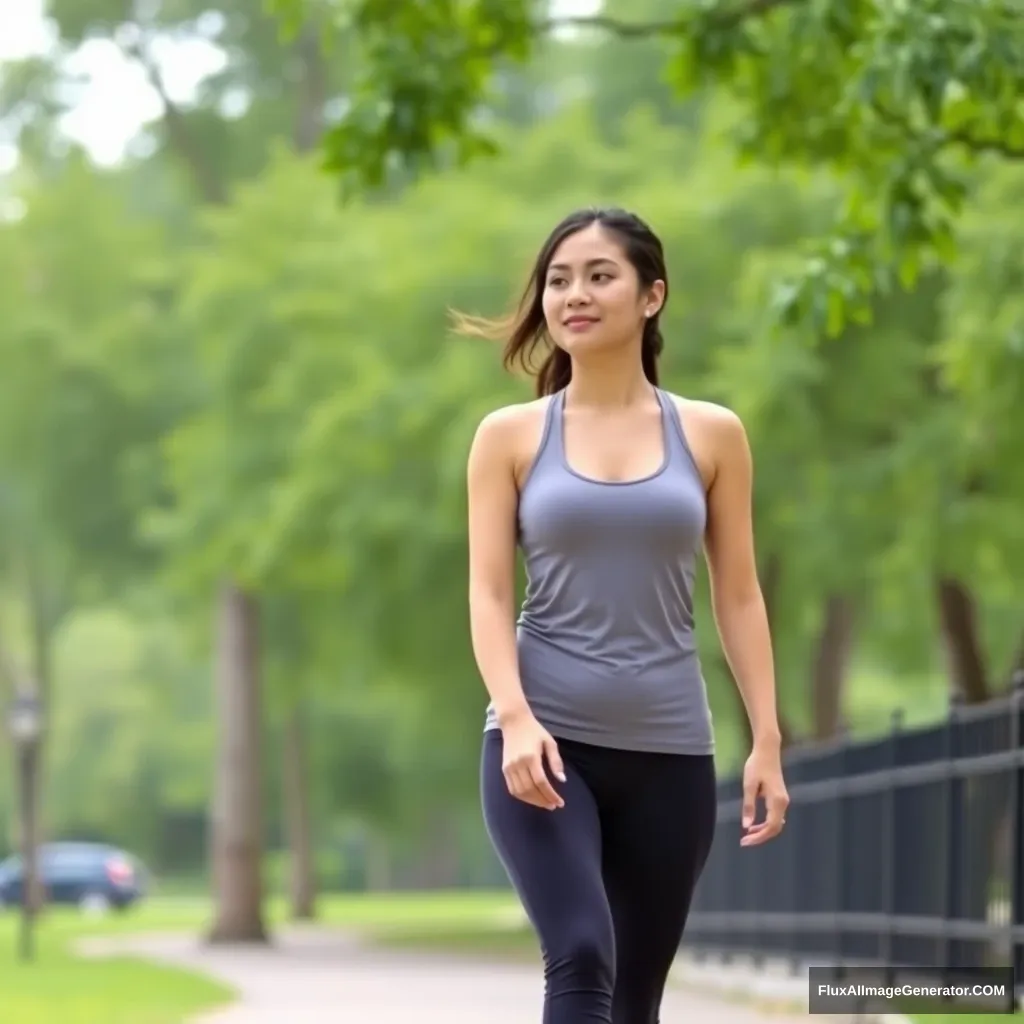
(553, 858)
(655, 843)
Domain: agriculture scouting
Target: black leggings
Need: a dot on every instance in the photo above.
(607, 880)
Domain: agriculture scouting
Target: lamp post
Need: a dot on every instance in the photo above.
(25, 724)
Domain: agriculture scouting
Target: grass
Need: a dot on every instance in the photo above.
(490, 928)
(383, 913)
(930, 1013)
(961, 1018)
(477, 924)
(58, 987)
(514, 942)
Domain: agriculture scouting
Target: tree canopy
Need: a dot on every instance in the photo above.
(897, 99)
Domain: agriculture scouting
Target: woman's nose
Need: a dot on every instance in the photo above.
(578, 294)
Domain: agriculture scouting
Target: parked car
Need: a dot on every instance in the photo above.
(92, 876)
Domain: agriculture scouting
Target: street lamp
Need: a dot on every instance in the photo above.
(25, 724)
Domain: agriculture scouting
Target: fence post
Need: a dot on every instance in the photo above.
(950, 795)
(793, 875)
(889, 849)
(839, 863)
(1017, 841)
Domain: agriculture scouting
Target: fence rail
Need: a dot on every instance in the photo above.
(905, 852)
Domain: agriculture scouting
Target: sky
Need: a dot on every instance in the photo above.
(117, 100)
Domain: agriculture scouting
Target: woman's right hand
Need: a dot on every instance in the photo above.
(526, 745)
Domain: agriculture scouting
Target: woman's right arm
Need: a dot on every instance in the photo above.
(493, 501)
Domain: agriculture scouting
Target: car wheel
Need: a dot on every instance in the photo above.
(94, 904)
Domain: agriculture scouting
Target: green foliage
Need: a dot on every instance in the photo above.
(116, 768)
(81, 335)
(61, 987)
(981, 360)
(891, 97)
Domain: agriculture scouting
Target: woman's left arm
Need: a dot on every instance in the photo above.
(742, 620)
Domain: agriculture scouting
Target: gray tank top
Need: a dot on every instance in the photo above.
(606, 645)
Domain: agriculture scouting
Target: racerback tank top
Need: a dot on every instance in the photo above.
(605, 638)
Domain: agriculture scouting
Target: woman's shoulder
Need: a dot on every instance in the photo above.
(513, 431)
(505, 418)
(714, 433)
(709, 415)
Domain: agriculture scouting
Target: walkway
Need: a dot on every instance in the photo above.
(316, 976)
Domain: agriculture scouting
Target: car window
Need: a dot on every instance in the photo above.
(70, 859)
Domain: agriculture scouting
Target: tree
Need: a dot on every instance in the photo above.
(284, 89)
(76, 273)
(896, 99)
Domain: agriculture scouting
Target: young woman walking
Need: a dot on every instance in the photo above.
(597, 769)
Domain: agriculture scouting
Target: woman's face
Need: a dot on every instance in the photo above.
(592, 296)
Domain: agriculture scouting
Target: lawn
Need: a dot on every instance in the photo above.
(966, 1015)
(961, 1018)
(60, 988)
(487, 928)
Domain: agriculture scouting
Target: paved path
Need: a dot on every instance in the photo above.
(317, 976)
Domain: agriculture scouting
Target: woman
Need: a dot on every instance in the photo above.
(597, 770)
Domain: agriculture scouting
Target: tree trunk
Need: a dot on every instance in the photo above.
(442, 856)
(313, 89)
(236, 832)
(958, 618)
(29, 828)
(45, 617)
(986, 799)
(298, 820)
(236, 840)
(378, 861)
(34, 893)
(205, 175)
(831, 659)
(1016, 673)
(237, 826)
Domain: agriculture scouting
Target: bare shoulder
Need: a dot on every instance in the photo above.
(511, 434)
(715, 433)
(709, 416)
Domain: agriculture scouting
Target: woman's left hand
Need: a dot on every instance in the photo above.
(762, 776)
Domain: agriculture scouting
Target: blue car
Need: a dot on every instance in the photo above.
(92, 876)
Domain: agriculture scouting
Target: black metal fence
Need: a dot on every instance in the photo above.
(907, 852)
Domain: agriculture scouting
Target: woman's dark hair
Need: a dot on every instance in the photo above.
(526, 329)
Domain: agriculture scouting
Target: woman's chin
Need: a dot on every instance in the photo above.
(589, 343)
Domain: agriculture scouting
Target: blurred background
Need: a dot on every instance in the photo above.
(234, 423)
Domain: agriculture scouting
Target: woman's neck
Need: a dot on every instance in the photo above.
(608, 382)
